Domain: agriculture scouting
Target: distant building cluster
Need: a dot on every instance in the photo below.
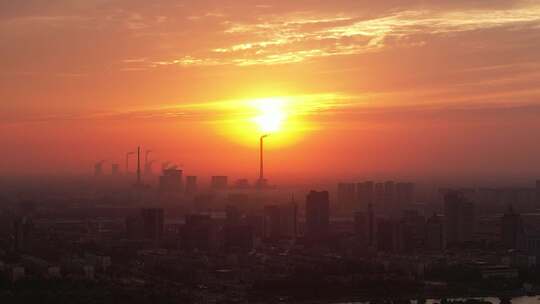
(236, 235)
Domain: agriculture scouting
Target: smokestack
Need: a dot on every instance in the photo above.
(261, 169)
(138, 165)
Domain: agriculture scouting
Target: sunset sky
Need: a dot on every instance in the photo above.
(360, 88)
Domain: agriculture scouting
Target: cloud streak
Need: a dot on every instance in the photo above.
(298, 37)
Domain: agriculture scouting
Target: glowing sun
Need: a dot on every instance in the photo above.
(271, 114)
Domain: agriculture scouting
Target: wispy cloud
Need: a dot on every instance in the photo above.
(298, 37)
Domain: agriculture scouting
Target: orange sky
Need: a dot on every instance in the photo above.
(397, 87)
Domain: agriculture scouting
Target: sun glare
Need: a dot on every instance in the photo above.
(271, 114)
(286, 118)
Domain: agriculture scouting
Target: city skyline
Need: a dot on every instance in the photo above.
(270, 151)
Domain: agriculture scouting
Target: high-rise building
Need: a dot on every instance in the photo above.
(238, 198)
(191, 184)
(134, 227)
(361, 226)
(378, 195)
(387, 235)
(434, 233)
(257, 223)
(512, 229)
(390, 198)
(317, 214)
(232, 215)
(23, 227)
(272, 222)
(404, 195)
(115, 169)
(289, 219)
(219, 182)
(371, 226)
(171, 180)
(412, 230)
(152, 223)
(239, 237)
(538, 191)
(199, 232)
(242, 183)
(459, 218)
(346, 196)
(280, 221)
(364, 194)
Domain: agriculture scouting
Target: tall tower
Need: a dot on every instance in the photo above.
(511, 228)
(371, 225)
(459, 218)
(138, 165)
(317, 214)
(261, 182)
(364, 194)
(346, 196)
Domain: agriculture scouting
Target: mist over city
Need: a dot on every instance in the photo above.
(270, 151)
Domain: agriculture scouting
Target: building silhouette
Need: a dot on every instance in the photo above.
(371, 225)
(538, 192)
(272, 222)
(23, 227)
(390, 198)
(199, 232)
(219, 182)
(387, 235)
(361, 226)
(280, 221)
(242, 183)
(115, 169)
(98, 169)
(364, 194)
(171, 180)
(232, 215)
(238, 237)
(434, 233)
(404, 194)
(346, 196)
(152, 223)
(378, 195)
(191, 184)
(459, 218)
(511, 229)
(317, 214)
(412, 229)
